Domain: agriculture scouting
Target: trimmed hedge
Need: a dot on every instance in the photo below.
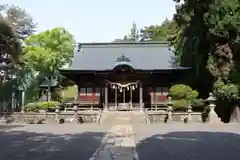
(182, 95)
(41, 105)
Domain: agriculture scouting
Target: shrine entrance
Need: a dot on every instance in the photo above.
(124, 96)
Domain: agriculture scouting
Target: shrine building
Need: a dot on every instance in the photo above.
(124, 76)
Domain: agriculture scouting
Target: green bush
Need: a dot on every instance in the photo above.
(182, 103)
(41, 105)
(31, 107)
(197, 102)
(181, 91)
(183, 94)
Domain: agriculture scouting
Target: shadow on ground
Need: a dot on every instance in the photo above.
(23, 145)
(190, 146)
(7, 127)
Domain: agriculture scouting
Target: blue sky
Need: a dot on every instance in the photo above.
(96, 20)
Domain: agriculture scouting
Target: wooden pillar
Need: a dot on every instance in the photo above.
(141, 97)
(23, 101)
(124, 100)
(77, 92)
(106, 98)
(130, 98)
(115, 98)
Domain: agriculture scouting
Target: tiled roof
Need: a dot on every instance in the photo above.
(140, 55)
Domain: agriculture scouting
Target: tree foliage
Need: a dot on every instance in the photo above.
(133, 36)
(183, 95)
(49, 50)
(164, 32)
(182, 91)
(209, 41)
(15, 24)
(9, 44)
(18, 19)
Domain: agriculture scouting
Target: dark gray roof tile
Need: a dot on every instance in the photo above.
(142, 55)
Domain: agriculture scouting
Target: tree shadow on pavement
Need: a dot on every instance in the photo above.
(190, 146)
(24, 145)
(4, 127)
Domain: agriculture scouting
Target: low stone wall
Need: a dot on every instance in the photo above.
(156, 117)
(86, 116)
(162, 117)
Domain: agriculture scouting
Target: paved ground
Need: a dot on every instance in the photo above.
(188, 142)
(50, 142)
(89, 142)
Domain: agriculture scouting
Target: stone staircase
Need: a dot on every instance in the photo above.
(139, 118)
(123, 118)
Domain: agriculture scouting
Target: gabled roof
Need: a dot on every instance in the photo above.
(139, 55)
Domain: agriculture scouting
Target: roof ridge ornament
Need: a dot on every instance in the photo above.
(123, 58)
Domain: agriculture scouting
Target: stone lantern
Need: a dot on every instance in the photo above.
(170, 108)
(75, 112)
(57, 111)
(213, 117)
(189, 111)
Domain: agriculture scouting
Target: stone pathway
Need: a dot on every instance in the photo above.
(119, 143)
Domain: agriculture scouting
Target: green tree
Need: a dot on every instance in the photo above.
(209, 42)
(183, 95)
(9, 50)
(48, 51)
(134, 34)
(19, 20)
(164, 32)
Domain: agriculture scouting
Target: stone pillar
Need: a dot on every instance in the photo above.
(213, 117)
(57, 111)
(124, 95)
(75, 114)
(170, 109)
(13, 101)
(141, 97)
(23, 102)
(116, 99)
(189, 113)
(106, 98)
(131, 98)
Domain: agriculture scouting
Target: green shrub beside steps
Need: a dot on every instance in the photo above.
(41, 105)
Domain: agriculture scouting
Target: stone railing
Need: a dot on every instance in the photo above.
(66, 117)
(163, 116)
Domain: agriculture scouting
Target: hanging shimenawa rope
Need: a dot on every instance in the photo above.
(120, 86)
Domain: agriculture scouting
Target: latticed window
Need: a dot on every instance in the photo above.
(97, 91)
(158, 91)
(164, 91)
(82, 91)
(89, 92)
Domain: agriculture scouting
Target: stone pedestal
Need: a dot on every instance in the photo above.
(170, 110)
(3, 120)
(57, 113)
(189, 113)
(213, 117)
(75, 114)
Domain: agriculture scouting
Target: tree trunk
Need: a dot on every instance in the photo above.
(235, 116)
(49, 88)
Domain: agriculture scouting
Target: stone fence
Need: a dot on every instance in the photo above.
(166, 117)
(61, 117)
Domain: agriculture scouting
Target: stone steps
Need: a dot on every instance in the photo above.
(121, 118)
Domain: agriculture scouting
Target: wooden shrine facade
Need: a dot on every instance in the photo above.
(127, 82)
